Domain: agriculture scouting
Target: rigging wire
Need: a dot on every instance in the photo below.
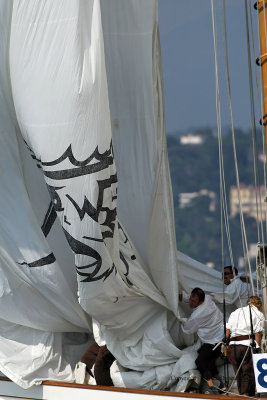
(253, 127)
(225, 44)
(261, 271)
(222, 180)
(242, 223)
(262, 111)
(243, 233)
(223, 199)
(260, 105)
(237, 371)
(255, 154)
(222, 184)
(221, 165)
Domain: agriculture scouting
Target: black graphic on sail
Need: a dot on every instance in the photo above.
(80, 248)
(84, 167)
(50, 259)
(49, 219)
(94, 212)
(101, 208)
(103, 212)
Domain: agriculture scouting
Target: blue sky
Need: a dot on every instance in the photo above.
(188, 64)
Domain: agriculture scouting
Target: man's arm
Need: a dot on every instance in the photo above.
(190, 325)
(226, 342)
(195, 321)
(258, 336)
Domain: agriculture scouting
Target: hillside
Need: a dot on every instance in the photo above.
(195, 168)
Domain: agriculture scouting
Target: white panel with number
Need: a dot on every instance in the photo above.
(260, 370)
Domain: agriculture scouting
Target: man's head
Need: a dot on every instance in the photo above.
(196, 298)
(255, 301)
(229, 273)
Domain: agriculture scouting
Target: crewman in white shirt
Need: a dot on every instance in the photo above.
(236, 292)
(239, 333)
(207, 321)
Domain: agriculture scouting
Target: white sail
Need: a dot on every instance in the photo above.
(81, 97)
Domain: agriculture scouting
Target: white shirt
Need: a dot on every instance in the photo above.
(236, 293)
(206, 320)
(239, 323)
(97, 332)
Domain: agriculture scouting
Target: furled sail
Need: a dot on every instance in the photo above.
(86, 203)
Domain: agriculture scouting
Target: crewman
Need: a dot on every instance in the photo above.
(207, 321)
(236, 290)
(244, 330)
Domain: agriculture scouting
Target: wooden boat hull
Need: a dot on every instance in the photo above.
(58, 390)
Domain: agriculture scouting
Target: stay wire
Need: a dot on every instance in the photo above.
(253, 127)
(242, 223)
(225, 43)
(254, 140)
(234, 379)
(263, 130)
(260, 105)
(263, 213)
(221, 163)
(218, 121)
(225, 207)
(261, 275)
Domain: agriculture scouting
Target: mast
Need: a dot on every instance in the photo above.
(262, 59)
(261, 6)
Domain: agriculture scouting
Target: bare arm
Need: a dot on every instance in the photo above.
(258, 336)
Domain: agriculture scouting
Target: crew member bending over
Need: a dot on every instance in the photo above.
(207, 321)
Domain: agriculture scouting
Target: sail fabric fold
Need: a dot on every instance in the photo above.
(86, 213)
(135, 86)
(37, 296)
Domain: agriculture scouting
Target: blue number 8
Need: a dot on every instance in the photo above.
(263, 372)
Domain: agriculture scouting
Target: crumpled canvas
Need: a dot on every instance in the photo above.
(86, 210)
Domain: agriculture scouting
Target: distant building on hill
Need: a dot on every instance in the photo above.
(210, 264)
(192, 139)
(185, 199)
(252, 199)
(262, 157)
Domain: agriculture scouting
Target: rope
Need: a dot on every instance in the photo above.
(253, 343)
(262, 113)
(222, 180)
(243, 232)
(253, 131)
(223, 199)
(260, 98)
(260, 102)
(234, 379)
(221, 164)
(263, 130)
(260, 267)
(237, 371)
